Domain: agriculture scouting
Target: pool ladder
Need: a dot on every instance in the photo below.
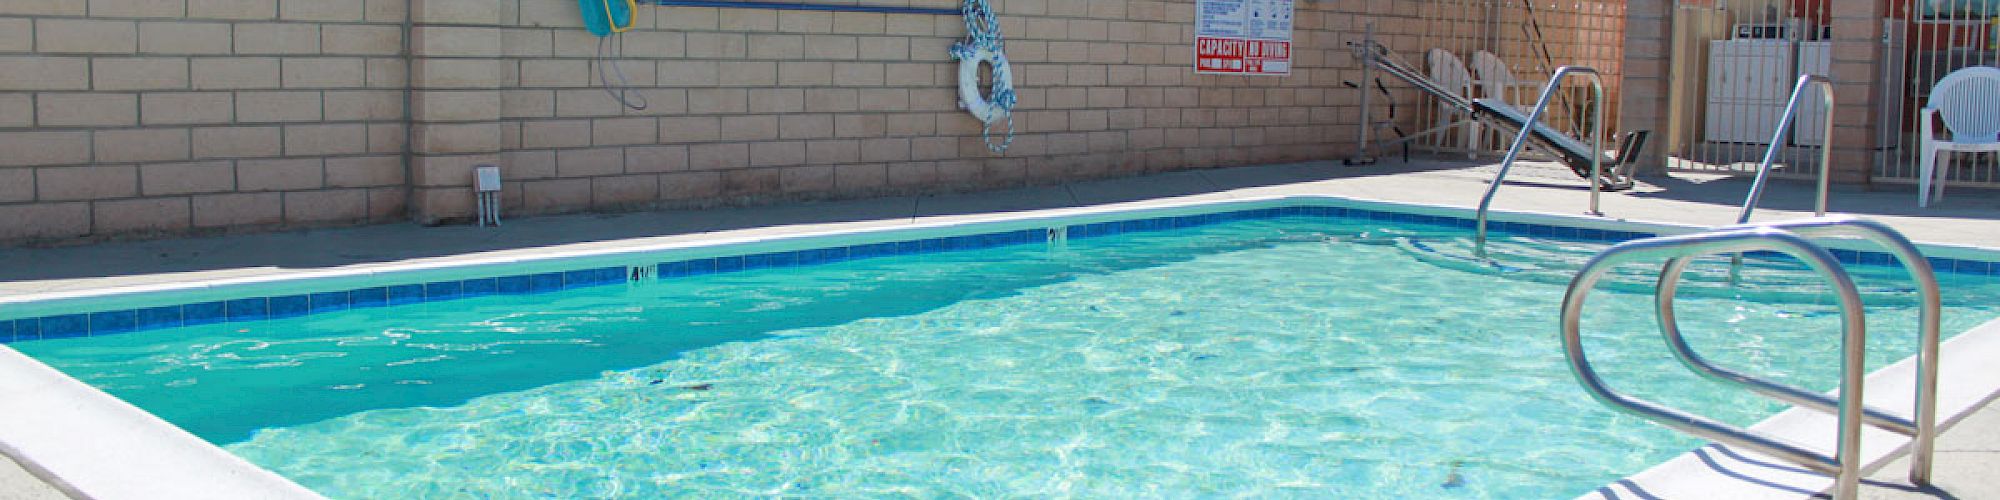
(1790, 238)
(1527, 130)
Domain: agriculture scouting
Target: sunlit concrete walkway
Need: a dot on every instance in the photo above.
(1968, 453)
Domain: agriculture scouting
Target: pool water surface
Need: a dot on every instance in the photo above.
(1289, 357)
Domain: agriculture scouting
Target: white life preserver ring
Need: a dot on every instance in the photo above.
(987, 109)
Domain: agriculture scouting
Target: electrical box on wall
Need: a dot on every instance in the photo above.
(488, 179)
(486, 183)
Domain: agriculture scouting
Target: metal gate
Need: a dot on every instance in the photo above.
(1935, 37)
(1733, 63)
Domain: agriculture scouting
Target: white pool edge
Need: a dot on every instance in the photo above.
(1968, 379)
(90, 444)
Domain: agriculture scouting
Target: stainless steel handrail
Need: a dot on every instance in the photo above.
(1778, 141)
(1670, 328)
(1923, 427)
(1527, 130)
(1771, 156)
(1845, 463)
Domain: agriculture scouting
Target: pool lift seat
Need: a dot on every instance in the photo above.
(1790, 238)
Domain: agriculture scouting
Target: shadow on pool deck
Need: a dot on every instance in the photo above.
(1687, 198)
(1797, 195)
(335, 247)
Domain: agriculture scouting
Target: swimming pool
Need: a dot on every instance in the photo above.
(1302, 350)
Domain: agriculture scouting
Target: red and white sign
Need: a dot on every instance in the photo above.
(1243, 37)
(1240, 56)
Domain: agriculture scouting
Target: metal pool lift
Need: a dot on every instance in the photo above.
(1790, 238)
(1613, 173)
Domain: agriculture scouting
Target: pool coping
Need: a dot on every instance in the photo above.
(1967, 381)
(129, 453)
(89, 444)
(77, 302)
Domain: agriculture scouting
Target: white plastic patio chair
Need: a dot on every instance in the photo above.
(1969, 102)
(1497, 80)
(1449, 71)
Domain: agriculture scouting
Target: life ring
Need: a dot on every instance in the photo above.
(988, 109)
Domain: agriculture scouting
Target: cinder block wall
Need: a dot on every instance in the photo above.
(751, 105)
(1643, 101)
(136, 117)
(124, 118)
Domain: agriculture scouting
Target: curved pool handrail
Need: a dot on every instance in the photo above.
(1844, 464)
(1922, 428)
(1527, 131)
(1778, 141)
(1663, 302)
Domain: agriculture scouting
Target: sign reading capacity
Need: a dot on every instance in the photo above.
(1243, 37)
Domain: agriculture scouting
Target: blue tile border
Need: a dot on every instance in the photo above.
(28, 329)
(250, 309)
(68, 325)
(404, 294)
(511, 285)
(202, 313)
(479, 287)
(819, 256)
(288, 306)
(291, 306)
(113, 322)
(545, 282)
(329, 302)
(443, 290)
(159, 317)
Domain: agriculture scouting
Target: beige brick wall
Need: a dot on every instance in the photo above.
(751, 105)
(174, 116)
(1646, 57)
(126, 117)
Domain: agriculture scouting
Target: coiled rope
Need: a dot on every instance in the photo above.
(982, 29)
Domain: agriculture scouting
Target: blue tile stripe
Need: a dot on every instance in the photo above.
(263, 308)
(291, 306)
(818, 256)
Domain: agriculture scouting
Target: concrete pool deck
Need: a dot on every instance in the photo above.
(1966, 217)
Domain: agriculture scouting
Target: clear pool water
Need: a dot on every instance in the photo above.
(1293, 357)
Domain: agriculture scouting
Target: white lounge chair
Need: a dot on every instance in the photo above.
(1969, 102)
(1449, 71)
